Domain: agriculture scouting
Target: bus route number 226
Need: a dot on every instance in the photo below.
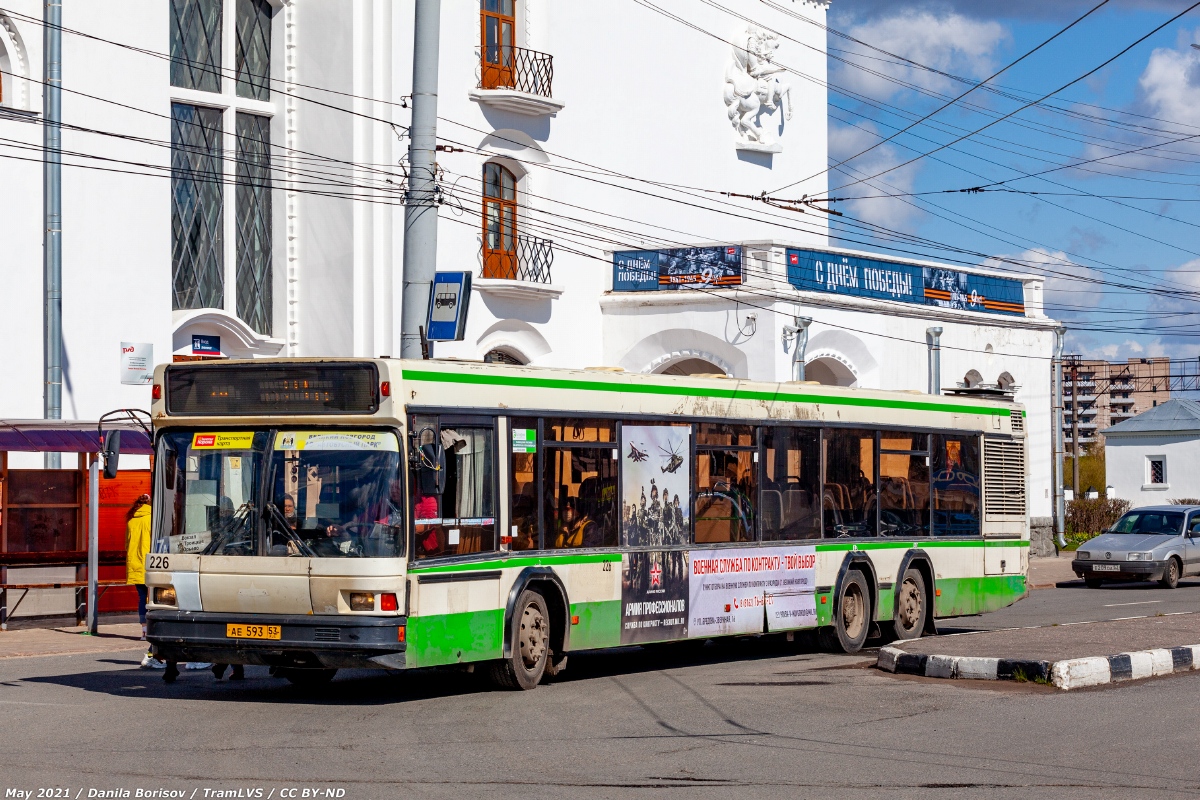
(154, 561)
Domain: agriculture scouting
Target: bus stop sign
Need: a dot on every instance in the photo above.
(448, 303)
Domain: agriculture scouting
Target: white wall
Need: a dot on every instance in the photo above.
(1125, 464)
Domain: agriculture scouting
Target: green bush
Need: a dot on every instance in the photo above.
(1086, 518)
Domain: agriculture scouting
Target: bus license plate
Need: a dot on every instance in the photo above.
(252, 632)
(1106, 567)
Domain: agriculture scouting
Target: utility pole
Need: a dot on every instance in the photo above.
(1075, 428)
(420, 202)
(1059, 506)
(52, 213)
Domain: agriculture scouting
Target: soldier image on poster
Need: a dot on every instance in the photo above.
(655, 485)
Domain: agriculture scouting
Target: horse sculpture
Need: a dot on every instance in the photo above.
(752, 86)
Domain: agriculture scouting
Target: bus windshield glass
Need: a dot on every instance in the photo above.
(283, 493)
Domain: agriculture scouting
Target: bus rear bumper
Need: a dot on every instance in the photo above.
(310, 641)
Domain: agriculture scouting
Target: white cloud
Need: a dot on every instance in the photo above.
(1067, 283)
(847, 140)
(1170, 83)
(945, 40)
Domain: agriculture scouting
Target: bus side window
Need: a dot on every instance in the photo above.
(791, 489)
(523, 506)
(955, 485)
(459, 519)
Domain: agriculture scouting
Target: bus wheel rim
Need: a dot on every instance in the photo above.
(852, 612)
(533, 636)
(910, 605)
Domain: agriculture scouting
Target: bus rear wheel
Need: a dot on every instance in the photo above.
(852, 622)
(911, 607)
(530, 645)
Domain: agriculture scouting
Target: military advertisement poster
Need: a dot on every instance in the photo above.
(655, 512)
(734, 590)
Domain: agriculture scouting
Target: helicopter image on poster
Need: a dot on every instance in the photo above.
(674, 459)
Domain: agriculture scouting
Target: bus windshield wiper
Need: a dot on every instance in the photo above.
(235, 524)
(281, 520)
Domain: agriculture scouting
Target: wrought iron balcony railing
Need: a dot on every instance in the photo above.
(530, 260)
(508, 67)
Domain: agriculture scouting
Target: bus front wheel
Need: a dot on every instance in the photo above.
(911, 608)
(852, 620)
(530, 645)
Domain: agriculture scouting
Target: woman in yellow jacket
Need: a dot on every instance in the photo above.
(137, 545)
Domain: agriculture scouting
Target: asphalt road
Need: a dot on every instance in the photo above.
(748, 719)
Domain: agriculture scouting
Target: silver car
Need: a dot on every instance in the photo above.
(1155, 543)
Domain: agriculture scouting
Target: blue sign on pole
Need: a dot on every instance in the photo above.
(944, 287)
(448, 303)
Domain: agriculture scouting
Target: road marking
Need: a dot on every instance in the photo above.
(1138, 603)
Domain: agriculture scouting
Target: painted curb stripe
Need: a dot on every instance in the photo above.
(569, 384)
(1071, 673)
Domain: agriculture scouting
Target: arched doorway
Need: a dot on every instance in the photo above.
(692, 366)
(830, 372)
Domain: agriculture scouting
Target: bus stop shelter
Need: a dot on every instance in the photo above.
(60, 527)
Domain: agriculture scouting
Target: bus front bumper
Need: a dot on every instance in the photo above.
(310, 641)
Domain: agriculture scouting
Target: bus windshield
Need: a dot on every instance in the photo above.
(285, 493)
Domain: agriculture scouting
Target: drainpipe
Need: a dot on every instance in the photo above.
(1060, 510)
(934, 337)
(799, 332)
(52, 215)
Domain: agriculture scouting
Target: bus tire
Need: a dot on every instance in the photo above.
(298, 676)
(912, 606)
(526, 664)
(852, 622)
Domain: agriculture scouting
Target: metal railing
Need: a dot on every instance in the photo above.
(515, 68)
(530, 261)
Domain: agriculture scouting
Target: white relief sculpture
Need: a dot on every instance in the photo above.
(753, 88)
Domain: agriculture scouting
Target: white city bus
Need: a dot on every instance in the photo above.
(314, 514)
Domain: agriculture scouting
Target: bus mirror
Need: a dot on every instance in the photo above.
(111, 453)
(431, 471)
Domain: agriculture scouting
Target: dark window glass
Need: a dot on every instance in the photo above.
(1157, 472)
(42, 530)
(904, 442)
(254, 296)
(196, 44)
(903, 494)
(708, 433)
(581, 430)
(254, 49)
(725, 491)
(523, 469)
(849, 498)
(790, 507)
(955, 485)
(581, 491)
(197, 250)
(1153, 522)
(43, 487)
(460, 518)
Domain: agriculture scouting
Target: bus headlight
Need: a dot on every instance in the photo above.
(164, 595)
(362, 601)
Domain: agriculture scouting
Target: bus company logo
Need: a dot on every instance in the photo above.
(655, 575)
(205, 440)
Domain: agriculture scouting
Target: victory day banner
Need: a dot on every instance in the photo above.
(733, 588)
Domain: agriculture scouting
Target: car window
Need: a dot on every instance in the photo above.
(1154, 522)
(1194, 525)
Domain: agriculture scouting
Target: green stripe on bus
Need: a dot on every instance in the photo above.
(967, 596)
(599, 625)
(691, 391)
(454, 638)
(527, 561)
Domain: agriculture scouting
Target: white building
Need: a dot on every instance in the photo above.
(580, 148)
(1155, 457)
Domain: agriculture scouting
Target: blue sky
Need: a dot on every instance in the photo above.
(1123, 273)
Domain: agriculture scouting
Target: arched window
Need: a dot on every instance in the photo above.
(502, 357)
(499, 222)
(498, 20)
(1006, 382)
(972, 379)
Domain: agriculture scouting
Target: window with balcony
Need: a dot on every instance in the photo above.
(511, 77)
(507, 253)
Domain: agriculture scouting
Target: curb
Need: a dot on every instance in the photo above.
(1071, 673)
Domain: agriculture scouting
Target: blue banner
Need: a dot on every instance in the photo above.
(943, 287)
(650, 270)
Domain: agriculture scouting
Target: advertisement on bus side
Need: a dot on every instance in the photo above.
(731, 590)
(654, 596)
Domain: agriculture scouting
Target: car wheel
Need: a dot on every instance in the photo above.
(1170, 576)
(911, 606)
(1093, 583)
